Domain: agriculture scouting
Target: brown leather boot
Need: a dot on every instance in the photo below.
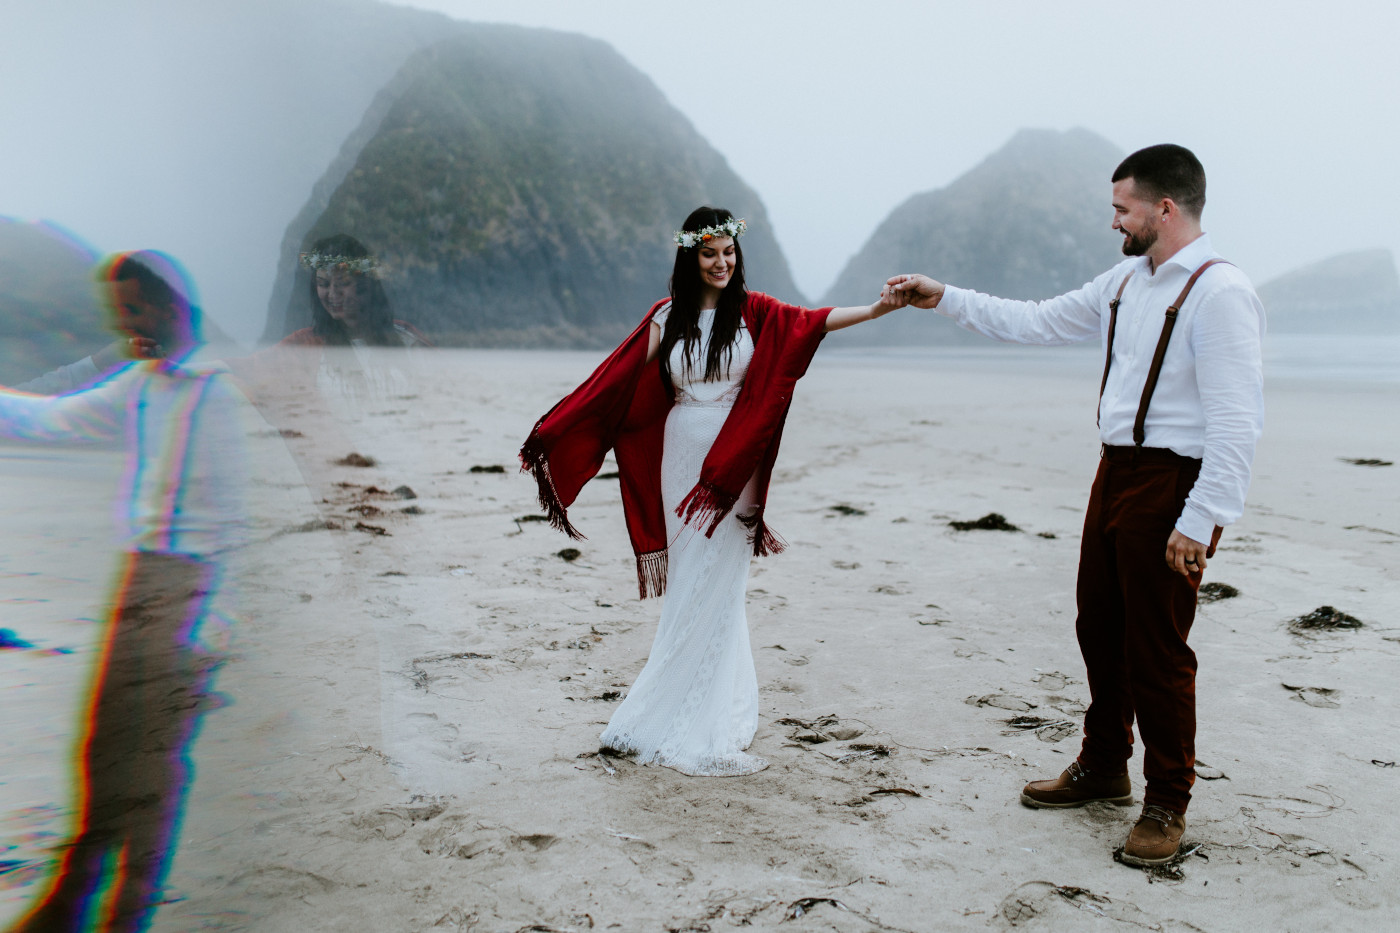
(1076, 787)
(1155, 838)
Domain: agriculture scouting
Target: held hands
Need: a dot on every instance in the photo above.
(129, 348)
(888, 301)
(917, 290)
(1185, 555)
(144, 348)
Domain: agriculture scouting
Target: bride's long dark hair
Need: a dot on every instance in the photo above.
(683, 324)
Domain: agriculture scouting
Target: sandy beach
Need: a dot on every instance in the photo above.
(409, 734)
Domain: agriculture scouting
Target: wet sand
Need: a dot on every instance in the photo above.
(410, 735)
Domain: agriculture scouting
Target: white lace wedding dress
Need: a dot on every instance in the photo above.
(694, 707)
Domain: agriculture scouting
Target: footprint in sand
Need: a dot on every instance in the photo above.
(1065, 907)
(1001, 701)
(1067, 705)
(1052, 681)
(457, 836)
(822, 729)
(534, 842)
(393, 821)
(1047, 730)
(279, 882)
(1206, 773)
(1320, 697)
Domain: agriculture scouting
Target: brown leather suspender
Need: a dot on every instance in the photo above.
(1112, 326)
(1155, 371)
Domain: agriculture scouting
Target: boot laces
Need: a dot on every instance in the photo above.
(1076, 771)
(1160, 814)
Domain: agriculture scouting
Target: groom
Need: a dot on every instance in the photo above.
(181, 514)
(1180, 410)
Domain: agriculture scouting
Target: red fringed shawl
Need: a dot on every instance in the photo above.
(623, 406)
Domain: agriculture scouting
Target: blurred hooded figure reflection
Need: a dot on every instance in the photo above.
(179, 510)
(351, 321)
(349, 306)
(354, 354)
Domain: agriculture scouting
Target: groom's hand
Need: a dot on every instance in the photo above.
(922, 291)
(1185, 555)
(890, 300)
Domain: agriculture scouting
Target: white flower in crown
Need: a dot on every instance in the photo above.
(731, 228)
(358, 264)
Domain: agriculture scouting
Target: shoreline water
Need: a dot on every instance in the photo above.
(1371, 360)
(1311, 357)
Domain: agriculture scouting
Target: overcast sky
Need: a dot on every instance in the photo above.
(834, 113)
(837, 112)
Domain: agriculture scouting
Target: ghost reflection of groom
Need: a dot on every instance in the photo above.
(180, 510)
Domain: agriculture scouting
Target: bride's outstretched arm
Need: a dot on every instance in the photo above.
(890, 300)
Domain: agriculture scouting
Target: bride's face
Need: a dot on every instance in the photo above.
(716, 261)
(339, 292)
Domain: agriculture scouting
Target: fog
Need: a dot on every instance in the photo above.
(130, 139)
(188, 127)
(837, 114)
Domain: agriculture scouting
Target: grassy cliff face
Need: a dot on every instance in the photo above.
(1031, 221)
(50, 313)
(1354, 293)
(521, 187)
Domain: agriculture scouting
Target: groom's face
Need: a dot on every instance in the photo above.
(137, 316)
(1134, 217)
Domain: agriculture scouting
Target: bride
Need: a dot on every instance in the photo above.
(693, 404)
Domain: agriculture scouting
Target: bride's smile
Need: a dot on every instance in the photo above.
(716, 260)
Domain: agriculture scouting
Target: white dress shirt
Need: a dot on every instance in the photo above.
(68, 378)
(182, 489)
(1209, 402)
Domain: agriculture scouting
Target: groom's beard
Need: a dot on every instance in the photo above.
(1134, 245)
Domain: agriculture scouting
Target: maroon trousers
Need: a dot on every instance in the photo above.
(1134, 615)
(150, 692)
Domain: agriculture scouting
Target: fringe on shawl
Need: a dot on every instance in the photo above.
(534, 460)
(651, 573)
(765, 541)
(706, 504)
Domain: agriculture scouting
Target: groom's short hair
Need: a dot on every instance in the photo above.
(162, 281)
(154, 289)
(1167, 171)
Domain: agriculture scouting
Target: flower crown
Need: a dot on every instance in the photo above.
(357, 264)
(732, 228)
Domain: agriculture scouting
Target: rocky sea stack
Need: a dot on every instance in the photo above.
(1031, 221)
(520, 187)
(50, 313)
(1354, 293)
